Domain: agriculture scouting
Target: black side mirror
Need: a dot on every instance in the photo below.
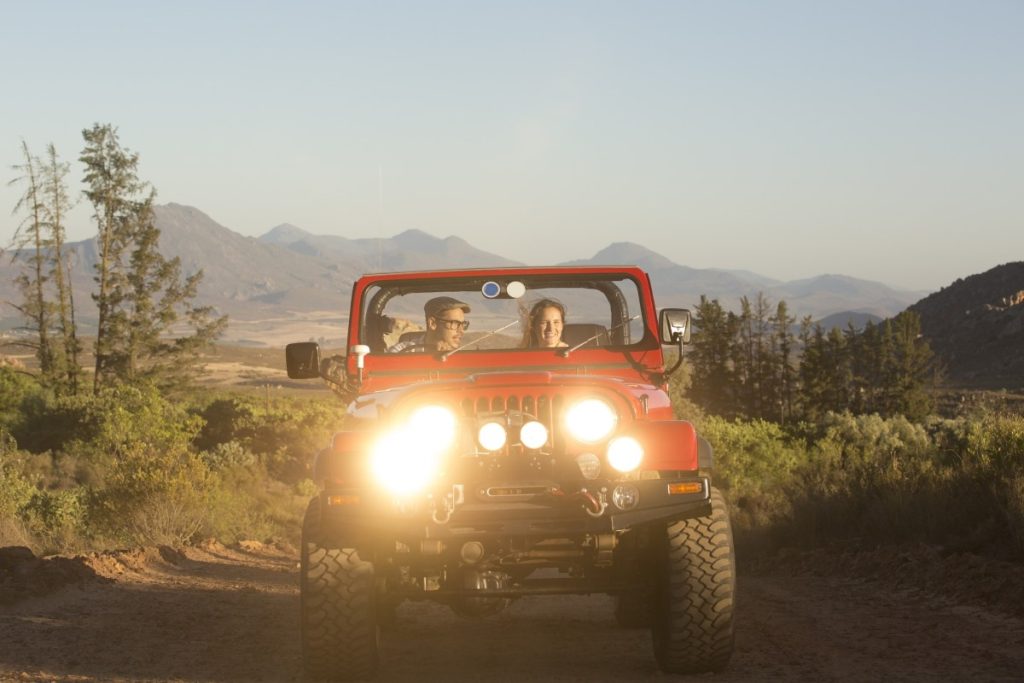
(303, 360)
(675, 325)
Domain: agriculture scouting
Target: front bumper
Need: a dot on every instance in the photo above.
(362, 515)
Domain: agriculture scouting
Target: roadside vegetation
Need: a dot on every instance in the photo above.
(831, 436)
(820, 436)
(129, 466)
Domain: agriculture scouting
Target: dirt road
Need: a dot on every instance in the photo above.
(219, 614)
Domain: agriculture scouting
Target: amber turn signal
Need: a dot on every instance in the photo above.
(334, 501)
(682, 487)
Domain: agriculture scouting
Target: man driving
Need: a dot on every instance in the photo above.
(446, 321)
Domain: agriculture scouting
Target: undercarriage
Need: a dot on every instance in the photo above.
(364, 555)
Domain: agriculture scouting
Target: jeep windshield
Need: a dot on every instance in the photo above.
(486, 313)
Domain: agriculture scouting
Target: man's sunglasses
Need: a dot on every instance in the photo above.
(454, 324)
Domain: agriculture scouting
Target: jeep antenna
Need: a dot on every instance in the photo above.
(380, 217)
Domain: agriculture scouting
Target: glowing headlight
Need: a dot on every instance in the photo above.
(492, 436)
(533, 434)
(401, 464)
(405, 460)
(625, 453)
(433, 427)
(591, 420)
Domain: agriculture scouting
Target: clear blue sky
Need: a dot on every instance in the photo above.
(881, 140)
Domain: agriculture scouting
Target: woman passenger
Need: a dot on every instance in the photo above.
(544, 325)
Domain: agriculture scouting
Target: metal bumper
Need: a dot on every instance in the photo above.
(361, 515)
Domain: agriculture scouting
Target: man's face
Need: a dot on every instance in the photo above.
(440, 332)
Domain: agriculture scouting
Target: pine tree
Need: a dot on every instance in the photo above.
(31, 245)
(710, 357)
(141, 297)
(115, 192)
(784, 375)
(911, 368)
(56, 206)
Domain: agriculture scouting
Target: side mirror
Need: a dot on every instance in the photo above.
(675, 325)
(303, 360)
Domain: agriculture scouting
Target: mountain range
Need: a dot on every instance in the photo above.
(289, 284)
(288, 272)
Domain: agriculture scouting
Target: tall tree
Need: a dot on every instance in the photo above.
(56, 206)
(911, 367)
(30, 244)
(115, 192)
(713, 380)
(784, 376)
(141, 298)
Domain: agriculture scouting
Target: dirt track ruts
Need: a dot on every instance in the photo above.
(231, 615)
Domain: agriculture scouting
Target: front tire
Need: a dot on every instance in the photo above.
(340, 637)
(693, 611)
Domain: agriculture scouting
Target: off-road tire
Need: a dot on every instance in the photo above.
(340, 638)
(693, 611)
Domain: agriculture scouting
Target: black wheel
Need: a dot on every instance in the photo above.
(693, 610)
(340, 638)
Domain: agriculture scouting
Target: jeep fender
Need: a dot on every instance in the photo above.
(668, 445)
(705, 454)
(344, 460)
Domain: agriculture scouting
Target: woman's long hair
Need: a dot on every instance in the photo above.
(530, 324)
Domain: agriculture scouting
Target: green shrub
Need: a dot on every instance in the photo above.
(284, 435)
(16, 489)
(754, 464)
(57, 519)
(15, 388)
(876, 479)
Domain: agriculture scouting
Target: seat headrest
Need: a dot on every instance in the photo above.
(574, 333)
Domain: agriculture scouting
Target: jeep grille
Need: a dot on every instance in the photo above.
(546, 408)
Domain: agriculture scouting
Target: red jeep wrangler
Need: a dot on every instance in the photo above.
(477, 467)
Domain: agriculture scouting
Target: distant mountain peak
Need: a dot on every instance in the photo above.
(284, 233)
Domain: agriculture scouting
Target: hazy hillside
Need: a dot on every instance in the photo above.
(290, 276)
(410, 250)
(818, 297)
(844, 319)
(976, 327)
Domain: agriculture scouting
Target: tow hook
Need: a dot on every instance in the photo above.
(594, 505)
(446, 505)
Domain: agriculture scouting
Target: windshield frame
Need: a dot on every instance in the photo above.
(373, 292)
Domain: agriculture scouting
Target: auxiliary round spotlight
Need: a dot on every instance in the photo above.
(625, 453)
(533, 434)
(626, 496)
(492, 436)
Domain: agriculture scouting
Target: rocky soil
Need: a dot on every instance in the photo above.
(213, 613)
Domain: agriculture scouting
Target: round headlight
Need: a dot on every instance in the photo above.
(625, 453)
(433, 427)
(533, 434)
(400, 466)
(591, 420)
(492, 436)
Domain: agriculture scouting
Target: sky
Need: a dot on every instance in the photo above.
(879, 140)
